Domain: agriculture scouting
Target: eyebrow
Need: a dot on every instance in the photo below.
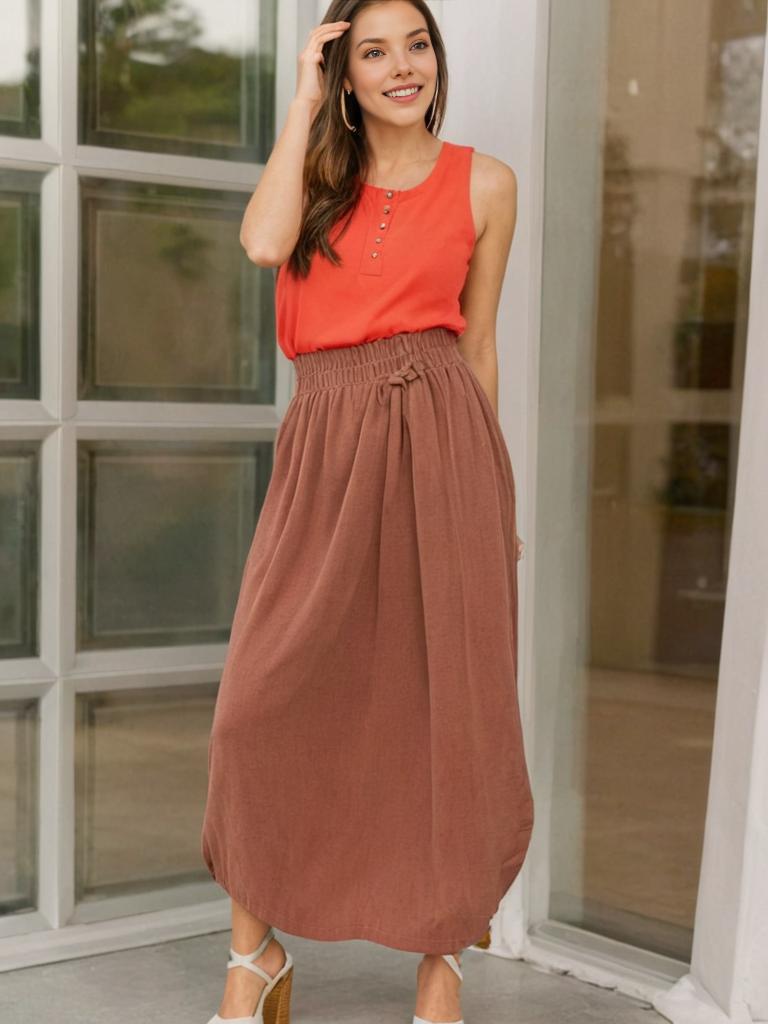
(371, 39)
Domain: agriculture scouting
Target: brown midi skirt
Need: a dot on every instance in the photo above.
(366, 771)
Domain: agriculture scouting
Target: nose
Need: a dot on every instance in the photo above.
(403, 66)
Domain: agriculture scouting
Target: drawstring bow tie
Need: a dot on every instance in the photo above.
(398, 378)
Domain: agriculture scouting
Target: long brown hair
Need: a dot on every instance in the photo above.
(337, 158)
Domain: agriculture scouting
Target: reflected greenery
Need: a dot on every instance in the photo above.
(19, 284)
(19, 548)
(20, 98)
(150, 80)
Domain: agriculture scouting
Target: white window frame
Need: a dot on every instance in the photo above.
(58, 929)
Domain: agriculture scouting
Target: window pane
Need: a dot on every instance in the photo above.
(179, 76)
(652, 127)
(140, 777)
(19, 284)
(172, 308)
(19, 548)
(20, 68)
(164, 530)
(19, 738)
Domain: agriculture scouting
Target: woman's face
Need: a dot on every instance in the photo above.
(401, 57)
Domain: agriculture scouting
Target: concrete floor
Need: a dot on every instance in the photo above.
(356, 981)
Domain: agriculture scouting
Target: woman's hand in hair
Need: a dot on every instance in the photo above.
(309, 86)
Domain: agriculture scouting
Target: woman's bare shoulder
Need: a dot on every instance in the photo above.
(493, 175)
(493, 187)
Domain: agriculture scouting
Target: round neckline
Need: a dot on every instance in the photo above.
(415, 188)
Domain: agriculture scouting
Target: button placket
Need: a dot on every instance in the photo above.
(379, 225)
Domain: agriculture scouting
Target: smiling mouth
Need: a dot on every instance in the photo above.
(408, 93)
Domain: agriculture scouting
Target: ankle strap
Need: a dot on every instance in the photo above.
(245, 959)
(451, 960)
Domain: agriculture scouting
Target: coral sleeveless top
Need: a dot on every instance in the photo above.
(405, 257)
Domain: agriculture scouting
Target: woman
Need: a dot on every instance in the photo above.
(367, 777)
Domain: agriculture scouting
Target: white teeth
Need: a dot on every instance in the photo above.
(403, 92)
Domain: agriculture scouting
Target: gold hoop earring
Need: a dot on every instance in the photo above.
(434, 106)
(351, 127)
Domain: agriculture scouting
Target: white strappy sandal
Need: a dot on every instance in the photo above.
(453, 963)
(274, 1002)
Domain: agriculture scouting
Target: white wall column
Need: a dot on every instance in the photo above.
(497, 65)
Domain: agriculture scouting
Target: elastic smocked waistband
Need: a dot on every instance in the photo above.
(372, 359)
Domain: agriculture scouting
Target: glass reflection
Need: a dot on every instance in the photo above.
(641, 404)
(19, 548)
(20, 68)
(172, 309)
(179, 76)
(164, 529)
(19, 758)
(140, 783)
(19, 284)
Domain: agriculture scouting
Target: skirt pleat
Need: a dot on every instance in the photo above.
(366, 771)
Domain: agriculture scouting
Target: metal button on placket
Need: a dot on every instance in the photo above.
(373, 263)
(382, 226)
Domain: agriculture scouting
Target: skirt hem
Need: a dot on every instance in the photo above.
(347, 933)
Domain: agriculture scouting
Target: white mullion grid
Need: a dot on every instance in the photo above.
(196, 171)
(57, 806)
(52, 49)
(56, 733)
(158, 421)
(68, 285)
(54, 216)
(17, 152)
(186, 659)
(59, 421)
(62, 131)
(179, 420)
(138, 677)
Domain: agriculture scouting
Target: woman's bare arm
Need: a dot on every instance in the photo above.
(272, 219)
